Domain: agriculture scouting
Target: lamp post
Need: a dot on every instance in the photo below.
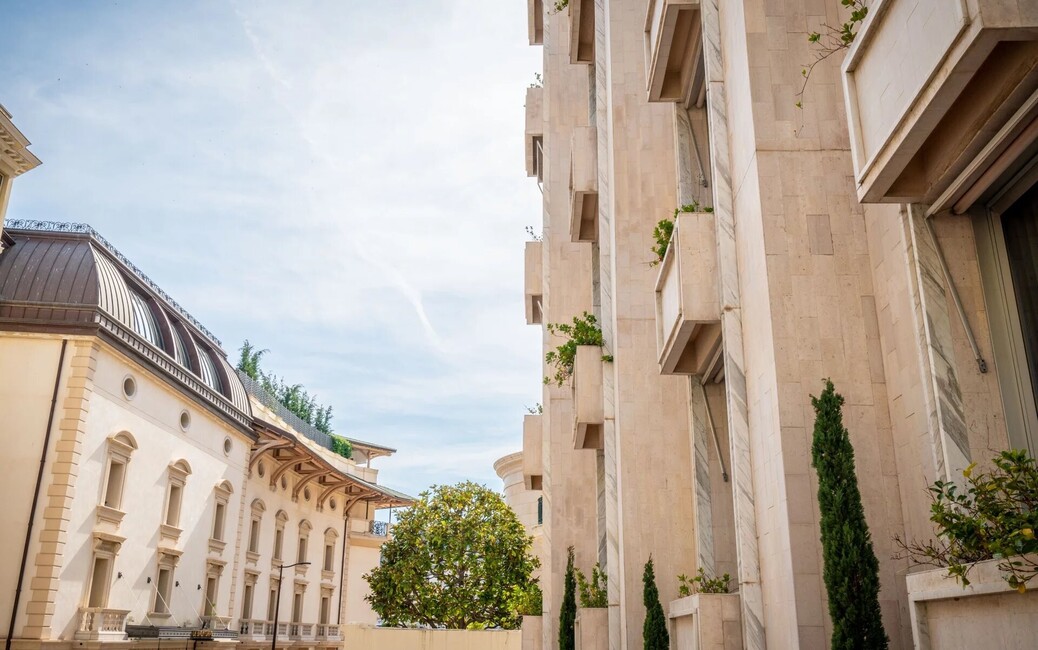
(277, 601)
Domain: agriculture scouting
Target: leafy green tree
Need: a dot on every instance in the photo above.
(456, 559)
(850, 570)
(568, 611)
(249, 361)
(654, 631)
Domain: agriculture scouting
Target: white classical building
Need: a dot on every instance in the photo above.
(153, 494)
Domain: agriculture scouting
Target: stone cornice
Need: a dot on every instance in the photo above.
(14, 152)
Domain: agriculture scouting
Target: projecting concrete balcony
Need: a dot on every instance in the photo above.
(535, 132)
(987, 613)
(581, 31)
(674, 47)
(688, 304)
(533, 438)
(588, 399)
(534, 281)
(535, 21)
(705, 621)
(101, 624)
(915, 129)
(583, 185)
(328, 632)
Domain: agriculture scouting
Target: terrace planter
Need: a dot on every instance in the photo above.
(588, 402)
(688, 303)
(986, 614)
(532, 628)
(674, 47)
(533, 438)
(914, 128)
(583, 185)
(591, 628)
(705, 622)
(534, 281)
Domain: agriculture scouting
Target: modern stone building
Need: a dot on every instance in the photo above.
(152, 493)
(883, 235)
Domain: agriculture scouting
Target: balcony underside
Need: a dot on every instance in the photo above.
(675, 48)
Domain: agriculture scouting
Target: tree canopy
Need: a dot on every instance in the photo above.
(457, 558)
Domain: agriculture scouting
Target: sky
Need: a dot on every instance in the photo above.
(339, 182)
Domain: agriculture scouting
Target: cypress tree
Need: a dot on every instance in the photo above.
(851, 570)
(568, 615)
(654, 631)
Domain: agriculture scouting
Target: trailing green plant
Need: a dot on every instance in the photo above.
(850, 569)
(529, 601)
(560, 5)
(538, 82)
(593, 593)
(654, 630)
(994, 515)
(830, 40)
(583, 331)
(568, 611)
(702, 584)
(535, 410)
(664, 230)
(534, 235)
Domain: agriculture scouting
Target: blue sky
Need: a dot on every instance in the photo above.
(340, 182)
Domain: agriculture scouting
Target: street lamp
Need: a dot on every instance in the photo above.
(277, 601)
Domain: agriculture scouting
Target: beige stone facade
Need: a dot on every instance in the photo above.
(883, 236)
(153, 494)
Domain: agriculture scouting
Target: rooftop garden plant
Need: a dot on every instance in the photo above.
(702, 584)
(293, 397)
(992, 515)
(593, 593)
(583, 331)
(664, 230)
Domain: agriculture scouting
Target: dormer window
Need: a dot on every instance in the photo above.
(209, 375)
(144, 322)
(179, 349)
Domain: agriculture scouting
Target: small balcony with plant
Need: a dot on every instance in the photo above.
(674, 49)
(706, 614)
(583, 185)
(927, 132)
(579, 361)
(688, 303)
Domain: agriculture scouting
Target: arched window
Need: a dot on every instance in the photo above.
(178, 473)
(252, 551)
(304, 540)
(280, 519)
(331, 536)
(120, 447)
(221, 497)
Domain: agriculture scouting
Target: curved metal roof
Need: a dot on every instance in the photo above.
(66, 274)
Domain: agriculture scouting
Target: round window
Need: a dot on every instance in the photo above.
(262, 469)
(185, 420)
(129, 387)
(306, 493)
(284, 483)
(226, 445)
(332, 504)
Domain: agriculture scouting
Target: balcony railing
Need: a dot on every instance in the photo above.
(328, 632)
(215, 622)
(256, 629)
(97, 623)
(301, 631)
(379, 528)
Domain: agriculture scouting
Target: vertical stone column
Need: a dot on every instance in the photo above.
(60, 488)
(946, 414)
(704, 529)
(750, 595)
